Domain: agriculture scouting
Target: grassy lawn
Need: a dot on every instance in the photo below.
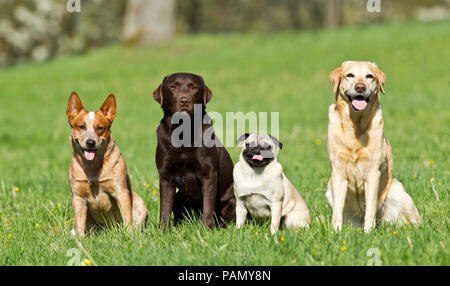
(285, 73)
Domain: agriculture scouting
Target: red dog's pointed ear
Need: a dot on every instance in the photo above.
(108, 108)
(335, 77)
(381, 78)
(74, 106)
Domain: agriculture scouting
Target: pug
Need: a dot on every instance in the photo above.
(261, 188)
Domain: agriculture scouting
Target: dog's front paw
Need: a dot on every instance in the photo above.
(369, 224)
(273, 230)
(208, 222)
(337, 225)
(74, 234)
(368, 227)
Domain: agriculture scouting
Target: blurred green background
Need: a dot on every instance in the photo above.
(38, 30)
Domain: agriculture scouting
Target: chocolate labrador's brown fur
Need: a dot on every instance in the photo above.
(203, 174)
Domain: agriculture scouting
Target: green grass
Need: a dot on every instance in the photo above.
(285, 73)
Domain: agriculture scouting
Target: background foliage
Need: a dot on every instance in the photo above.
(38, 30)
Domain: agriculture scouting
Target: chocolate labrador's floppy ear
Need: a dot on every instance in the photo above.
(207, 93)
(381, 78)
(335, 77)
(276, 141)
(242, 138)
(158, 93)
(108, 108)
(74, 106)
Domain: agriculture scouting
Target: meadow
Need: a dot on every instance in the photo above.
(282, 72)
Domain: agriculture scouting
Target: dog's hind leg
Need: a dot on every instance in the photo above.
(399, 206)
(227, 208)
(181, 209)
(296, 219)
(139, 212)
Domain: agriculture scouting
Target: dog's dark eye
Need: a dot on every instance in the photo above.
(247, 145)
(269, 147)
(369, 76)
(100, 128)
(350, 75)
(82, 127)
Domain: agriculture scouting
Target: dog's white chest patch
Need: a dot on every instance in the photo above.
(257, 205)
(257, 196)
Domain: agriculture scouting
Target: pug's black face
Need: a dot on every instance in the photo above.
(258, 156)
(259, 150)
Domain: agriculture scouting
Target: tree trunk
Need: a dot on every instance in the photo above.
(334, 13)
(195, 15)
(149, 21)
(317, 12)
(293, 6)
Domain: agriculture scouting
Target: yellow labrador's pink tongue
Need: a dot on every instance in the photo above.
(89, 155)
(258, 157)
(359, 104)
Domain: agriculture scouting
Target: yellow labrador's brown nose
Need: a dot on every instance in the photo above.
(360, 87)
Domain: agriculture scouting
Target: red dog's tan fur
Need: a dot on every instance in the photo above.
(98, 177)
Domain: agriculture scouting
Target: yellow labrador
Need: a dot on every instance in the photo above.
(362, 187)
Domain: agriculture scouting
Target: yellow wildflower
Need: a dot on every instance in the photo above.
(155, 192)
(432, 179)
(316, 246)
(395, 233)
(86, 262)
(282, 238)
(344, 242)
(17, 189)
(318, 141)
(343, 248)
(148, 186)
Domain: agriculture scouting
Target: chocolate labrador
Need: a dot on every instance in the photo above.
(202, 172)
